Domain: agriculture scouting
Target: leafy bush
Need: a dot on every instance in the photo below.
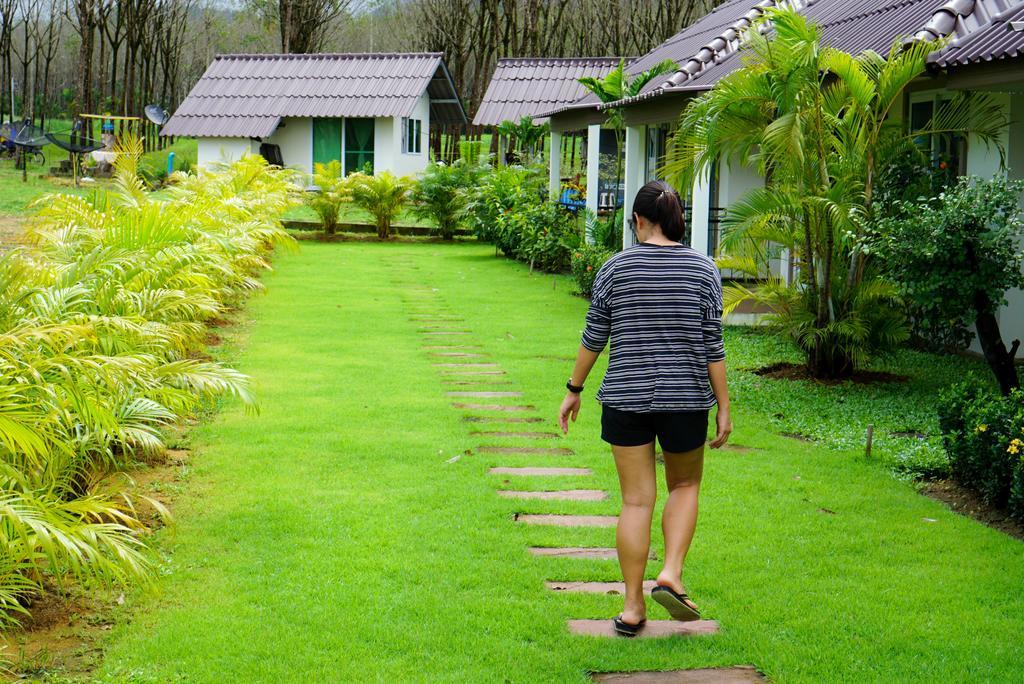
(983, 433)
(543, 234)
(955, 257)
(442, 194)
(606, 232)
(499, 192)
(332, 194)
(382, 195)
(586, 261)
(102, 329)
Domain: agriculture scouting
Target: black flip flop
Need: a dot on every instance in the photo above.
(625, 629)
(675, 604)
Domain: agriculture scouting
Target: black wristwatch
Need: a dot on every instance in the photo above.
(575, 389)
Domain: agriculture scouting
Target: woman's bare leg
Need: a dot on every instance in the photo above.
(679, 519)
(638, 482)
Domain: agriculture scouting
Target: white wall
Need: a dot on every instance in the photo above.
(399, 162)
(1011, 318)
(295, 138)
(213, 150)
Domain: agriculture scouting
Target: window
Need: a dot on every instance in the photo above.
(359, 145)
(412, 136)
(945, 150)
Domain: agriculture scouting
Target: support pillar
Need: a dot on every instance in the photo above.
(699, 214)
(555, 166)
(633, 176)
(593, 168)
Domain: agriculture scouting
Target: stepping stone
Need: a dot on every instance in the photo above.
(559, 520)
(485, 394)
(592, 552)
(542, 472)
(739, 674)
(738, 448)
(521, 435)
(453, 346)
(445, 332)
(618, 588)
(562, 495)
(466, 365)
(503, 419)
(574, 552)
(463, 355)
(476, 383)
(493, 407)
(652, 628)
(543, 451)
(458, 374)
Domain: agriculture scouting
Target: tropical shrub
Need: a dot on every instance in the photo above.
(955, 257)
(605, 232)
(983, 433)
(542, 234)
(498, 192)
(332, 194)
(817, 123)
(101, 332)
(382, 195)
(525, 139)
(586, 260)
(442, 194)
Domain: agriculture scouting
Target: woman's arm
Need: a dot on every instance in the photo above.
(585, 360)
(716, 374)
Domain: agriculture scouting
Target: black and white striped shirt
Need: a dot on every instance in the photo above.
(661, 305)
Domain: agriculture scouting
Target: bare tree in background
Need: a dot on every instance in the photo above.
(303, 24)
(84, 16)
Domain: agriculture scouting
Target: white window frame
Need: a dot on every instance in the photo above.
(417, 139)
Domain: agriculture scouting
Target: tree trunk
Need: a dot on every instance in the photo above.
(999, 359)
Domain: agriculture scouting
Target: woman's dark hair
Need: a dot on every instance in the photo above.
(659, 203)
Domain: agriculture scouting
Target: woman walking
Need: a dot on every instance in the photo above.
(660, 304)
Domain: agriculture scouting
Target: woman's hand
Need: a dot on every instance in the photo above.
(724, 428)
(570, 406)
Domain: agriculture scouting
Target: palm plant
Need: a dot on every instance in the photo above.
(442, 194)
(524, 136)
(382, 195)
(616, 86)
(102, 321)
(818, 124)
(332, 192)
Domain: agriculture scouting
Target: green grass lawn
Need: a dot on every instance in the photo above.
(346, 533)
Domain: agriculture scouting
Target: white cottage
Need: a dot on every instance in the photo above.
(365, 110)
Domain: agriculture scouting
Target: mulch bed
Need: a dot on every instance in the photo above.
(794, 371)
(967, 502)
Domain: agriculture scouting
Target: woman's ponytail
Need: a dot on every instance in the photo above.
(659, 203)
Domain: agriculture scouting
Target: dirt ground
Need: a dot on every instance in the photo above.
(11, 229)
(966, 502)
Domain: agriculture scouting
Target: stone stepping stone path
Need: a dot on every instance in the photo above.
(653, 629)
(493, 407)
(522, 435)
(539, 451)
(614, 588)
(559, 495)
(539, 472)
(739, 674)
(437, 323)
(591, 552)
(561, 520)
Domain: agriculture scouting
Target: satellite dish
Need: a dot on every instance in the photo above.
(157, 114)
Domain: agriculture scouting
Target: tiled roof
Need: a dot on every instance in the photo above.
(527, 87)
(707, 50)
(993, 42)
(247, 95)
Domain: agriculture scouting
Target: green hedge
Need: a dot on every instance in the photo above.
(983, 433)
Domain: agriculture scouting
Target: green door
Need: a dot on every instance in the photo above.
(358, 145)
(327, 135)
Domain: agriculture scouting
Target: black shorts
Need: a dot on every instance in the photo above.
(677, 431)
